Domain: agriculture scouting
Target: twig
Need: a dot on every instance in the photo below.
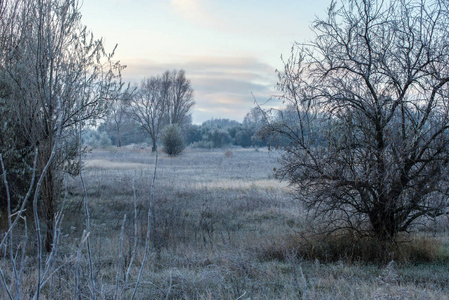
(167, 296)
(22, 260)
(36, 196)
(133, 255)
(117, 282)
(77, 264)
(10, 233)
(86, 210)
(241, 296)
(5, 284)
(147, 243)
(304, 282)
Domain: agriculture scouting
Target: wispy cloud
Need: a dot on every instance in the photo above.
(200, 12)
(223, 85)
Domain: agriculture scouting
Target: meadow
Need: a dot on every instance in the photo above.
(223, 227)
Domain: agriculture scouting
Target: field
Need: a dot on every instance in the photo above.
(222, 228)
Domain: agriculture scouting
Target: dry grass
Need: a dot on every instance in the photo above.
(223, 228)
(347, 246)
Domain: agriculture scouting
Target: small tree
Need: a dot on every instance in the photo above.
(172, 140)
(369, 147)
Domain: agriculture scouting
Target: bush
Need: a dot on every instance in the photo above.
(348, 246)
(172, 140)
(228, 153)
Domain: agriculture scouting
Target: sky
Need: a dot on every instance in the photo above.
(230, 49)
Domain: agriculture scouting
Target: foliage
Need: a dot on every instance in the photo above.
(172, 140)
(219, 133)
(367, 133)
(123, 129)
(96, 139)
(193, 134)
(219, 137)
(129, 133)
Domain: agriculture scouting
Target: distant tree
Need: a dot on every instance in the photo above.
(255, 118)
(220, 123)
(118, 117)
(162, 100)
(180, 98)
(172, 140)
(243, 136)
(253, 122)
(148, 108)
(374, 85)
(130, 132)
(219, 137)
(217, 133)
(96, 139)
(193, 133)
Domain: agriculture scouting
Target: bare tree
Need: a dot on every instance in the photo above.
(148, 107)
(118, 116)
(180, 98)
(51, 56)
(161, 101)
(369, 147)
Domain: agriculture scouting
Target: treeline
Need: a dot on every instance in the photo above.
(214, 133)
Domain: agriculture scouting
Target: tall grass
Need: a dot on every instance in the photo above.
(222, 228)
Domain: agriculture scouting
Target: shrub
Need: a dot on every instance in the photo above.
(348, 246)
(172, 140)
(228, 153)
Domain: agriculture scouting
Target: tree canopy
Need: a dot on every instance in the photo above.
(368, 121)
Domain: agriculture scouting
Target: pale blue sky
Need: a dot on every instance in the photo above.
(227, 48)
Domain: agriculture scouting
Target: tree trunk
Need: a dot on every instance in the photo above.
(154, 147)
(119, 139)
(49, 203)
(48, 196)
(383, 222)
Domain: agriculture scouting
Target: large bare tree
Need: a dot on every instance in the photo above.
(49, 57)
(366, 129)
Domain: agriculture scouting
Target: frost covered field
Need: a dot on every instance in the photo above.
(223, 228)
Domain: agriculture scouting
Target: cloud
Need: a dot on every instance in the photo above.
(223, 86)
(200, 12)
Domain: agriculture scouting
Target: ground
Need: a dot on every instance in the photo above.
(216, 215)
